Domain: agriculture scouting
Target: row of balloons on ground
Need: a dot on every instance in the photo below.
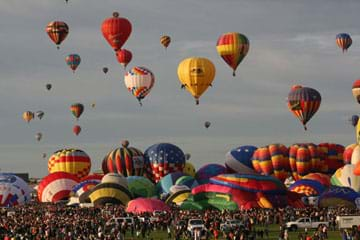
(195, 74)
(207, 190)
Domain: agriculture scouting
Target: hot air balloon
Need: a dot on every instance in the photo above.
(344, 41)
(354, 120)
(272, 160)
(345, 177)
(207, 171)
(38, 136)
(331, 156)
(57, 32)
(74, 161)
(56, 186)
(105, 70)
(304, 102)
(189, 169)
(165, 41)
(356, 90)
(123, 56)
(140, 186)
(139, 81)
(232, 47)
(77, 109)
(40, 114)
(142, 205)
(13, 190)
(73, 61)
(44, 155)
(196, 75)
(207, 124)
(76, 129)
(125, 160)
(348, 153)
(304, 159)
(239, 160)
(28, 116)
(163, 158)
(93, 105)
(116, 30)
(48, 86)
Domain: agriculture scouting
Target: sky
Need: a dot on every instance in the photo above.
(291, 42)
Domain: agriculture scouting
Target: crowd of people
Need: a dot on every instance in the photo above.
(58, 221)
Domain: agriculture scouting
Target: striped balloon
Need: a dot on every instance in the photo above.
(56, 186)
(77, 109)
(139, 81)
(57, 31)
(125, 160)
(233, 47)
(344, 41)
(165, 41)
(331, 155)
(272, 160)
(304, 102)
(73, 61)
(72, 161)
(304, 159)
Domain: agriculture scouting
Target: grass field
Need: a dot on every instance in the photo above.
(273, 234)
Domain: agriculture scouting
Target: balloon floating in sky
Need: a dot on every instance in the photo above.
(76, 129)
(344, 41)
(28, 116)
(40, 114)
(196, 75)
(105, 70)
(77, 109)
(165, 41)
(139, 81)
(116, 30)
(207, 124)
(73, 61)
(57, 32)
(233, 47)
(124, 56)
(303, 102)
(38, 136)
(48, 86)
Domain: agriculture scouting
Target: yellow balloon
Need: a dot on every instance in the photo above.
(196, 75)
(189, 169)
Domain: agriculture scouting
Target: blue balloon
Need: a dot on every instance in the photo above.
(239, 160)
(163, 158)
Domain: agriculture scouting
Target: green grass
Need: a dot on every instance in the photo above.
(273, 234)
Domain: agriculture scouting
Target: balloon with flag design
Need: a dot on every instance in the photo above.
(162, 159)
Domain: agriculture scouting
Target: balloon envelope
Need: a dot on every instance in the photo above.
(143, 205)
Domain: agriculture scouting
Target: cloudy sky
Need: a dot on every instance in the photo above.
(291, 42)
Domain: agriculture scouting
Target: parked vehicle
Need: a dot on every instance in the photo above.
(195, 223)
(231, 224)
(304, 222)
(348, 221)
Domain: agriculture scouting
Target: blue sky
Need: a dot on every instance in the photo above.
(291, 42)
